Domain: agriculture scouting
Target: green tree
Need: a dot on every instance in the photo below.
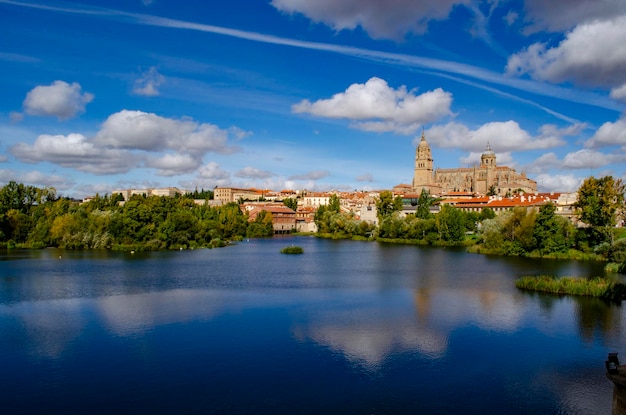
(424, 203)
(597, 204)
(451, 224)
(551, 232)
(386, 205)
(261, 226)
(334, 204)
(291, 203)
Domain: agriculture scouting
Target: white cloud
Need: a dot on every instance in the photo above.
(619, 93)
(59, 99)
(557, 183)
(149, 132)
(610, 133)
(148, 83)
(511, 17)
(312, 175)
(77, 152)
(382, 107)
(390, 19)
(174, 164)
(129, 140)
(253, 173)
(591, 159)
(502, 136)
(213, 171)
(592, 54)
(562, 15)
(36, 178)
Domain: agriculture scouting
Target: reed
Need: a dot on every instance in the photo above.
(292, 250)
(594, 287)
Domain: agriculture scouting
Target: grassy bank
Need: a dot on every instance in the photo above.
(595, 287)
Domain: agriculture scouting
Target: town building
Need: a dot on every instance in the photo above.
(231, 194)
(283, 218)
(486, 178)
(166, 192)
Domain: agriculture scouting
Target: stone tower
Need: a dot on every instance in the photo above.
(488, 158)
(423, 176)
(488, 164)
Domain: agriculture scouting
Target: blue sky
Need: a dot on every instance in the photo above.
(298, 94)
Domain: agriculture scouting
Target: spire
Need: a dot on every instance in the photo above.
(423, 135)
(488, 146)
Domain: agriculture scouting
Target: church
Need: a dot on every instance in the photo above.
(500, 180)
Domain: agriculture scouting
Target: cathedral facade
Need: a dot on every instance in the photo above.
(482, 179)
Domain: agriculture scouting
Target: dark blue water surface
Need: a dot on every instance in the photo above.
(346, 328)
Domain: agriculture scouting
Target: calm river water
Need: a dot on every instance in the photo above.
(346, 328)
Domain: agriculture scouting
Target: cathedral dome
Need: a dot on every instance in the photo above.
(489, 151)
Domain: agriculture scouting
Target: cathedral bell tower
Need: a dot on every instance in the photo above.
(423, 175)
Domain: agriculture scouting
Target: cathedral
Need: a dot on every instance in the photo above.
(501, 180)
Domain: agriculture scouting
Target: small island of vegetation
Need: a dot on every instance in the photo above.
(292, 250)
(594, 287)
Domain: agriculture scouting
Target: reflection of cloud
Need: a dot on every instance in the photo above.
(370, 344)
(368, 332)
(48, 326)
(139, 313)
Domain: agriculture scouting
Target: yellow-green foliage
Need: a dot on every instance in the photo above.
(595, 287)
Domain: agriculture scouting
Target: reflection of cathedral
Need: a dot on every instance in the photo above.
(479, 179)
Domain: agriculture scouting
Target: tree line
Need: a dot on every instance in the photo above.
(519, 232)
(36, 218)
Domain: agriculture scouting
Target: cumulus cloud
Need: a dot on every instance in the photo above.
(174, 164)
(558, 182)
(211, 174)
(502, 136)
(36, 178)
(252, 173)
(375, 106)
(139, 130)
(131, 139)
(563, 15)
(60, 99)
(312, 175)
(391, 19)
(578, 160)
(77, 152)
(592, 54)
(619, 93)
(609, 134)
(148, 83)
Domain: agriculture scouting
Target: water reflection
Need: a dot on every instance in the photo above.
(389, 323)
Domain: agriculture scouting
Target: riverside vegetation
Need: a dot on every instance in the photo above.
(35, 218)
(594, 287)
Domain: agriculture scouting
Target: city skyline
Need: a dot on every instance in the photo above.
(289, 94)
